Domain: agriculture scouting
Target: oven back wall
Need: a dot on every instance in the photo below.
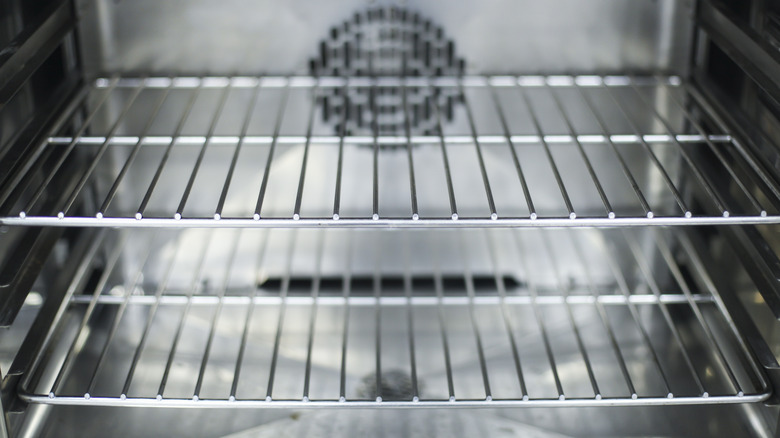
(201, 37)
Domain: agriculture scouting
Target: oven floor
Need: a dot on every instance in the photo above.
(689, 421)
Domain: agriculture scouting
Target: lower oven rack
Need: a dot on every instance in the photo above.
(479, 318)
(475, 151)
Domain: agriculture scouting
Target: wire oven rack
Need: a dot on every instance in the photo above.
(508, 151)
(293, 318)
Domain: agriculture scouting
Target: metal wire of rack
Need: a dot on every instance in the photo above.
(258, 152)
(220, 321)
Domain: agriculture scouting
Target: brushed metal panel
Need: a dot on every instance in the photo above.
(251, 37)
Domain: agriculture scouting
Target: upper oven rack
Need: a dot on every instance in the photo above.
(473, 151)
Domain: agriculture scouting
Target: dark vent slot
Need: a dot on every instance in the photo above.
(389, 285)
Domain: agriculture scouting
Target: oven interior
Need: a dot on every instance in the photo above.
(408, 218)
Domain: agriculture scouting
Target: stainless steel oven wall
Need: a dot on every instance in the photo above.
(713, 420)
(494, 36)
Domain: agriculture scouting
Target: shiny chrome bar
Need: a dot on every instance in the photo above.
(603, 316)
(749, 209)
(645, 269)
(469, 279)
(577, 336)
(699, 176)
(548, 152)
(64, 155)
(439, 288)
(215, 317)
(302, 177)
(653, 157)
(269, 160)
(347, 289)
(377, 286)
(454, 140)
(623, 165)
(359, 404)
(340, 162)
(408, 292)
(150, 319)
(511, 144)
(195, 287)
(99, 154)
(599, 188)
(525, 344)
(418, 301)
(408, 132)
(79, 277)
(315, 291)
(538, 318)
(261, 258)
(242, 139)
(351, 222)
(285, 288)
(716, 151)
(674, 267)
(445, 158)
(623, 286)
(748, 155)
(164, 160)
(480, 158)
(133, 154)
(80, 333)
(120, 313)
(375, 163)
(202, 153)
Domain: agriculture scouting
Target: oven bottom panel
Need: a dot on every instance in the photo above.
(710, 421)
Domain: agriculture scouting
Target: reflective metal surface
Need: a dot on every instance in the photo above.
(248, 319)
(711, 421)
(253, 37)
(517, 151)
(549, 332)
